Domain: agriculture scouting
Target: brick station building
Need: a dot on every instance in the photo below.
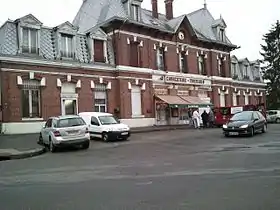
(146, 68)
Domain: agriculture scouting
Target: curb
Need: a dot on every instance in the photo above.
(24, 154)
(160, 129)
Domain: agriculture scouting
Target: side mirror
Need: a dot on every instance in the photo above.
(118, 121)
(256, 119)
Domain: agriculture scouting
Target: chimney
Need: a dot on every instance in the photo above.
(155, 8)
(169, 9)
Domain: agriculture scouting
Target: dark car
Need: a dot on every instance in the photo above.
(245, 123)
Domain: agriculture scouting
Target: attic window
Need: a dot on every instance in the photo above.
(135, 12)
(222, 34)
(29, 40)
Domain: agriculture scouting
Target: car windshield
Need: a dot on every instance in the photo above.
(70, 122)
(108, 120)
(242, 116)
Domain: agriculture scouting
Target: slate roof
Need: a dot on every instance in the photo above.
(254, 70)
(49, 42)
(201, 20)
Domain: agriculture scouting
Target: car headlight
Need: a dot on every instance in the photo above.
(224, 126)
(244, 126)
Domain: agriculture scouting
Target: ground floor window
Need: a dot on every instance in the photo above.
(69, 99)
(246, 97)
(136, 101)
(222, 99)
(100, 98)
(31, 99)
(234, 99)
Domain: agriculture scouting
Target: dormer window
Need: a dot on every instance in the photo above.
(222, 34)
(245, 72)
(135, 12)
(29, 40)
(67, 50)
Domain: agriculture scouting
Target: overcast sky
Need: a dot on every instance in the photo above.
(247, 20)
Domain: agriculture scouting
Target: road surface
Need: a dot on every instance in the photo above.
(184, 169)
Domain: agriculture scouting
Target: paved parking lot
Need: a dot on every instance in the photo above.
(182, 169)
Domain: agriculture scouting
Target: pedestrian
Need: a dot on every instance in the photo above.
(196, 119)
(204, 117)
(211, 118)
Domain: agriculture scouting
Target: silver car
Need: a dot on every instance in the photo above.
(273, 116)
(62, 131)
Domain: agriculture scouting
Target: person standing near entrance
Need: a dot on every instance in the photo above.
(211, 118)
(196, 119)
(204, 117)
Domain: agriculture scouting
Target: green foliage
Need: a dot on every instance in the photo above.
(271, 68)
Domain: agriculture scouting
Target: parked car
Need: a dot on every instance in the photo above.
(273, 116)
(245, 123)
(105, 126)
(65, 131)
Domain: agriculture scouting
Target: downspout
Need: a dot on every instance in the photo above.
(1, 99)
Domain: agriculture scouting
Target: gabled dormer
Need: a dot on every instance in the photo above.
(28, 28)
(98, 45)
(245, 68)
(66, 40)
(133, 8)
(219, 26)
(256, 70)
(234, 67)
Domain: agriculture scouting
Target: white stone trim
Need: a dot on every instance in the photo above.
(143, 87)
(165, 41)
(57, 64)
(31, 76)
(92, 84)
(109, 86)
(105, 51)
(134, 69)
(249, 83)
(129, 85)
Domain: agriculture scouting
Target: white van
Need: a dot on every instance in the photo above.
(105, 126)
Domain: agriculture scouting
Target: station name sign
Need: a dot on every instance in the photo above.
(183, 80)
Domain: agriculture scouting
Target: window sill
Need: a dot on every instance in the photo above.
(137, 116)
(32, 119)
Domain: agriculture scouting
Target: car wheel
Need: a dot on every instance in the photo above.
(264, 130)
(226, 134)
(105, 137)
(277, 120)
(52, 147)
(86, 145)
(252, 132)
(40, 140)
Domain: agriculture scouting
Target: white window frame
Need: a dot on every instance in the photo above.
(220, 67)
(245, 73)
(135, 12)
(71, 95)
(135, 89)
(222, 34)
(29, 40)
(182, 58)
(222, 99)
(68, 38)
(38, 88)
(246, 99)
(160, 58)
(234, 99)
(201, 64)
(99, 105)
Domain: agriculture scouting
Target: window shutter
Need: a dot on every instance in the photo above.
(99, 51)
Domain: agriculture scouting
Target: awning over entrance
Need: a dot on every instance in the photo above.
(173, 101)
(195, 102)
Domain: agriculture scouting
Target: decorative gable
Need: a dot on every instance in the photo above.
(67, 28)
(97, 33)
(29, 21)
(184, 31)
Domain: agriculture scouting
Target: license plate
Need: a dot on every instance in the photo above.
(125, 133)
(233, 133)
(72, 132)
